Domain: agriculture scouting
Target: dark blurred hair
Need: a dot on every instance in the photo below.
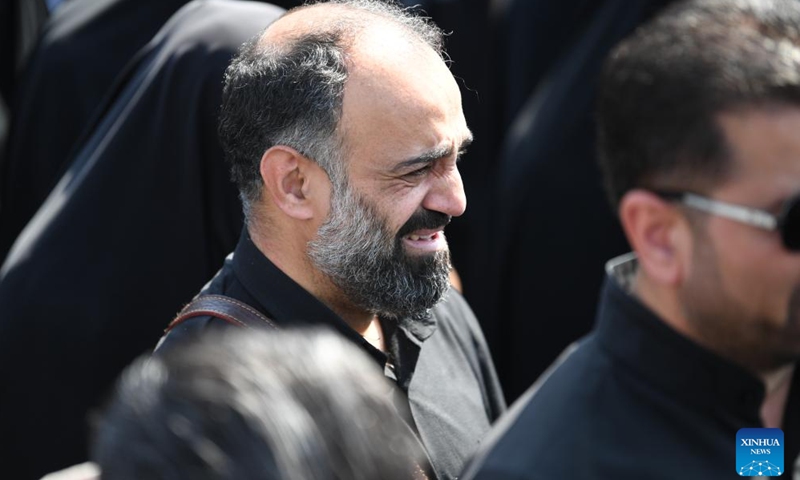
(255, 405)
(662, 88)
(291, 94)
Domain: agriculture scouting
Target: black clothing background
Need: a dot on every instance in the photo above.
(441, 362)
(143, 217)
(551, 226)
(82, 50)
(20, 24)
(634, 400)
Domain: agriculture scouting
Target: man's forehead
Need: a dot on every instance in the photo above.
(402, 117)
(394, 79)
(763, 145)
(764, 130)
(387, 57)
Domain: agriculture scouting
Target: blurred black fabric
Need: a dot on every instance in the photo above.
(552, 227)
(142, 217)
(20, 25)
(532, 36)
(83, 49)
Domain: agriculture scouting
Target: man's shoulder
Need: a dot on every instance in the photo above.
(556, 416)
(580, 420)
(563, 396)
(224, 283)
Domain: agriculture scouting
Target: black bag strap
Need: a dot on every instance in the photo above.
(225, 308)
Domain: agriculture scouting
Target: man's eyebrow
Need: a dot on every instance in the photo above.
(426, 158)
(431, 155)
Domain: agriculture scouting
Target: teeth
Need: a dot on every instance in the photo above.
(417, 237)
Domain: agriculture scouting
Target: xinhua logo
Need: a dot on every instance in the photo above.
(759, 452)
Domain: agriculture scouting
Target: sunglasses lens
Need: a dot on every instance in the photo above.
(790, 228)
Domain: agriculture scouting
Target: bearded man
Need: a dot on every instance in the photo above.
(343, 126)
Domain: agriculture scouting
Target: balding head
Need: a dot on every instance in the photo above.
(348, 18)
(286, 86)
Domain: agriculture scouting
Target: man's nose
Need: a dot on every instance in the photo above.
(447, 195)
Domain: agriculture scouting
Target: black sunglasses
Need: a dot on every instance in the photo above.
(787, 222)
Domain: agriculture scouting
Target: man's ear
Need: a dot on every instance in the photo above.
(287, 176)
(659, 235)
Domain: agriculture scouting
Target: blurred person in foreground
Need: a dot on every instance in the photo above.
(343, 126)
(251, 405)
(698, 330)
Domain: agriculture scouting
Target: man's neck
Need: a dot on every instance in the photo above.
(777, 384)
(363, 322)
(297, 266)
(664, 304)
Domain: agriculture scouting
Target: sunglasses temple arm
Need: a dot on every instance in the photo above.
(749, 216)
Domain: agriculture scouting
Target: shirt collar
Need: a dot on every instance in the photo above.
(638, 338)
(289, 304)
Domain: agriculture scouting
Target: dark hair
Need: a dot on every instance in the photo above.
(255, 405)
(291, 94)
(662, 88)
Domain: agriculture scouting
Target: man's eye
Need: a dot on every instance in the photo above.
(418, 172)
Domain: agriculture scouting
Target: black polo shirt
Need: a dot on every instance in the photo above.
(634, 399)
(441, 362)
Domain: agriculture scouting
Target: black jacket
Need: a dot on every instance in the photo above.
(633, 400)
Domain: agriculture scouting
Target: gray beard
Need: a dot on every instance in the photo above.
(355, 249)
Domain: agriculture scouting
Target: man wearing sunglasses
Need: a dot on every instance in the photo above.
(698, 329)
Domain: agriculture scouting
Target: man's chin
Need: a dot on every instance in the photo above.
(426, 263)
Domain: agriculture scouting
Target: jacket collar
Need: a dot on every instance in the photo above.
(662, 357)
